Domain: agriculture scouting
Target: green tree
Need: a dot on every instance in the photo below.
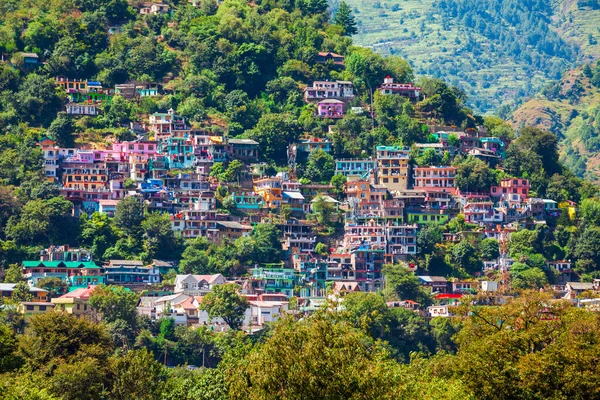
(61, 337)
(274, 132)
(429, 157)
(21, 292)
(344, 18)
(225, 302)
(542, 143)
(267, 246)
(54, 286)
(427, 237)
(40, 94)
(136, 375)
(8, 347)
(43, 222)
(350, 354)
(489, 249)
(13, 274)
(115, 303)
(320, 167)
(403, 284)
(98, 233)
(338, 182)
(473, 175)
(194, 258)
(129, 215)
(62, 130)
(465, 255)
(159, 239)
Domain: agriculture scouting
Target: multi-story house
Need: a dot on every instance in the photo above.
(334, 59)
(179, 152)
(270, 190)
(33, 271)
(330, 108)
(71, 85)
(83, 109)
(329, 90)
(310, 144)
(130, 272)
(197, 285)
(389, 87)
(242, 149)
(476, 212)
(272, 279)
(154, 8)
(435, 179)
(51, 159)
(354, 168)
(85, 181)
(401, 241)
(512, 191)
(367, 261)
(393, 164)
(494, 145)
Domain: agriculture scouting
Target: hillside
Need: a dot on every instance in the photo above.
(569, 108)
(498, 52)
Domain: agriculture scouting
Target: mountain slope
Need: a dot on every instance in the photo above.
(497, 51)
(570, 108)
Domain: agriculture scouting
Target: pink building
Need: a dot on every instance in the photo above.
(330, 108)
(435, 179)
(510, 190)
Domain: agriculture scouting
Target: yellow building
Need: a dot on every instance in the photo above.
(31, 308)
(392, 163)
(270, 190)
(75, 302)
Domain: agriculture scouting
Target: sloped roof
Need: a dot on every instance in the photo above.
(9, 287)
(581, 285)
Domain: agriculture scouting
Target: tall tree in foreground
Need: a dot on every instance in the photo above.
(225, 302)
(345, 19)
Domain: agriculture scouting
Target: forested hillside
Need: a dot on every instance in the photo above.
(569, 108)
(497, 51)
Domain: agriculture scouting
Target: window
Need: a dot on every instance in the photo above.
(395, 180)
(29, 307)
(78, 306)
(42, 308)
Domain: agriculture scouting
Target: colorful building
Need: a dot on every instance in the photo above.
(393, 164)
(435, 179)
(330, 108)
(389, 87)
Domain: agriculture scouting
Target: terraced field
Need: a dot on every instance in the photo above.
(449, 48)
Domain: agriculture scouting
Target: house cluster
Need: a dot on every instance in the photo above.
(85, 97)
(387, 198)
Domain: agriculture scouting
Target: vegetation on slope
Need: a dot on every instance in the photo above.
(497, 51)
(569, 108)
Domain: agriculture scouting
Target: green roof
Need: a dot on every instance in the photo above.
(29, 264)
(58, 264)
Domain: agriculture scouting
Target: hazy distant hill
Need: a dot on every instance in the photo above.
(570, 108)
(498, 51)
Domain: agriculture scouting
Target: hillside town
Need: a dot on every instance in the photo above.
(212, 200)
(383, 204)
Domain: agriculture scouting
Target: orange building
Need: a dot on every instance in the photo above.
(270, 190)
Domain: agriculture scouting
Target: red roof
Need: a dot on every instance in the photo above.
(82, 293)
(442, 296)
